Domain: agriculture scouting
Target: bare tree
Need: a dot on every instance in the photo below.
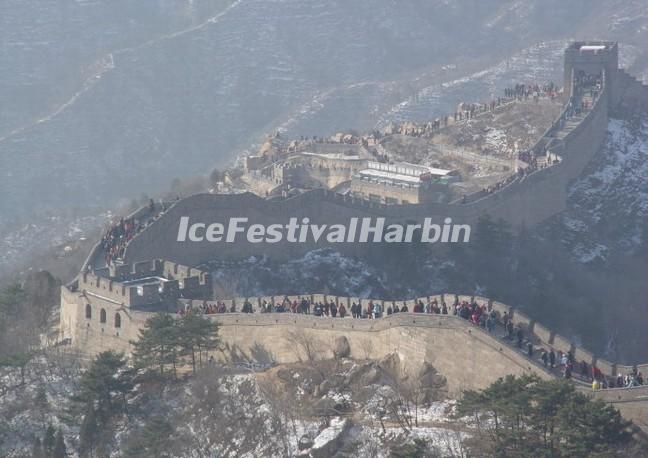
(452, 443)
(367, 348)
(283, 412)
(304, 344)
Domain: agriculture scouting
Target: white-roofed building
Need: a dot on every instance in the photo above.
(402, 183)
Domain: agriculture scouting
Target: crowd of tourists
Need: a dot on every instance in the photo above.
(535, 91)
(632, 379)
(118, 234)
(464, 111)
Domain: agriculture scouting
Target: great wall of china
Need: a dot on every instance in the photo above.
(524, 201)
(105, 307)
(95, 317)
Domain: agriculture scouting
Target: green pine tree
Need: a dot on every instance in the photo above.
(88, 433)
(157, 345)
(18, 360)
(155, 439)
(37, 448)
(103, 391)
(526, 416)
(590, 427)
(40, 399)
(418, 448)
(105, 385)
(59, 446)
(49, 440)
(196, 334)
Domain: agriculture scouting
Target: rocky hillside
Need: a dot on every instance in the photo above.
(318, 409)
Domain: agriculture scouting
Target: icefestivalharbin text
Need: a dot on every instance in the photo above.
(358, 230)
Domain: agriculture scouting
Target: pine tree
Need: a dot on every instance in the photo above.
(216, 176)
(103, 390)
(196, 334)
(106, 384)
(158, 436)
(49, 440)
(526, 416)
(40, 401)
(17, 360)
(589, 427)
(37, 448)
(59, 446)
(155, 439)
(89, 433)
(157, 344)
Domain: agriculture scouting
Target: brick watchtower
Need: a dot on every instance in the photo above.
(589, 58)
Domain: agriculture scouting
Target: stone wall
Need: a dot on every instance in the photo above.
(465, 354)
(631, 402)
(90, 334)
(542, 335)
(630, 94)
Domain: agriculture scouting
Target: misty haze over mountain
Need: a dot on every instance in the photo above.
(105, 100)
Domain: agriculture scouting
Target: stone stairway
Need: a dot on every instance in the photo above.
(569, 126)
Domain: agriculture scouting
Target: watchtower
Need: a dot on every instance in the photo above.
(584, 58)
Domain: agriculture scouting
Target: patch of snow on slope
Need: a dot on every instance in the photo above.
(608, 205)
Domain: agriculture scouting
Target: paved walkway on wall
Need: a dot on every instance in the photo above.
(578, 114)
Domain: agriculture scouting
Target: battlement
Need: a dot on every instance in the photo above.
(145, 283)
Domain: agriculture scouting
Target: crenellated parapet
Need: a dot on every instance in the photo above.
(145, 283)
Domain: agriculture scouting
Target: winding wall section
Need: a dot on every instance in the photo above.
(525, 201)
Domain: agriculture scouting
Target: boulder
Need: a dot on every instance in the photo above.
(305, 442)
(330, 439)
(342, 349)
(391, 364)
(370, 376)
(436, 385)
(324, 387)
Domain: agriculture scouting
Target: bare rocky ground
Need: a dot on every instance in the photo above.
(338, 407)
(482, 148)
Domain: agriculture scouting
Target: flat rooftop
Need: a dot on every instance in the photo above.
(389, 176)
(338, 156)
(592, 47)
(145, 281)
(403, 171)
